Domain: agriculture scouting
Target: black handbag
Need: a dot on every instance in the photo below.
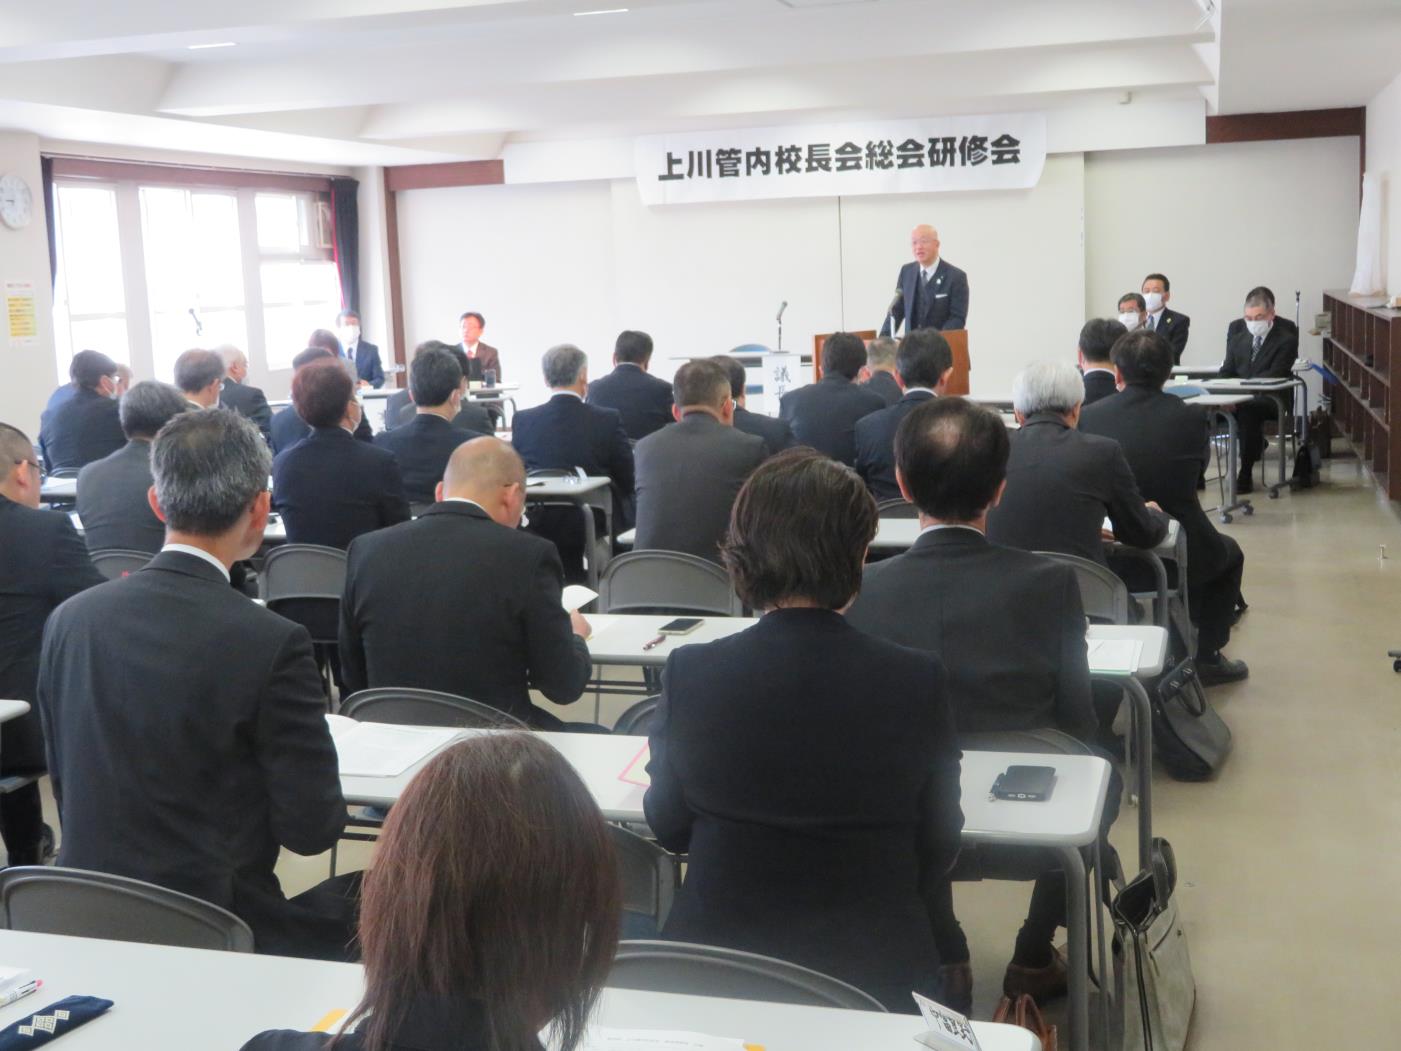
(1190, 739)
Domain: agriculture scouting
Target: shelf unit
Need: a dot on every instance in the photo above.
(1362, 350)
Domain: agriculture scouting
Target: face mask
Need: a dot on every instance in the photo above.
(1154, 301)
(350, 333)
(1258, 328)
(1129, 320)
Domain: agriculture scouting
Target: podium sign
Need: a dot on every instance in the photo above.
(782, 372)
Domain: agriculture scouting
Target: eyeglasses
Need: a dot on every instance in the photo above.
(32, 463)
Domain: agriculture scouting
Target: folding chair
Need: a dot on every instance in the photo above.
(304, 583)
(116, 562)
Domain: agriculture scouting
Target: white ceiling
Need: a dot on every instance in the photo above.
(353, 82)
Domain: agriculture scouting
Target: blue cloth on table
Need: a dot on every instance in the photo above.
(50, 1023)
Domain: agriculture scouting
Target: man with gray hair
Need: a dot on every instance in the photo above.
(1062, 483)
(238, 395)
(566, 433)
(112, 502)
(1258, 346)
(200, 375)
(879, 373)
(186, 741)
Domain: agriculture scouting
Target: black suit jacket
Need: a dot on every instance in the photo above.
(247, 401)
(1099, 384)
(795, 849)
(394, 406)
(887, 386)
(189, 746)
(1060, 485)
(469, 417)
(1173, 327)
(875, 444)
(484, 602)
(42, 563)
(566, 432)
(687, 479)
(1277, 354)
(1008, 625)
(112, 502)
(367, 364)
(944, 305)
(824, 414)
(423, 448)
(288, 429)
(329, 489)
(82, 429)
(1165, 442)
(775, 433)
(432, 1024)
(643, 401)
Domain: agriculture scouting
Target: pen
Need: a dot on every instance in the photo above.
(654, 643)
(23, 990)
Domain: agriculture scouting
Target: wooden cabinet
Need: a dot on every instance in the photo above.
(1363, 352)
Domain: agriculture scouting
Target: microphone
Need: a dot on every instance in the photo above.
(199, 325)
(895, 302)
(781, 308)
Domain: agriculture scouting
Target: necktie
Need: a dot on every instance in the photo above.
(1152, 322)
(1259, 342)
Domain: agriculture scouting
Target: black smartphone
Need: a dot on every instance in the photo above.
(680, 626)
(1027, 783)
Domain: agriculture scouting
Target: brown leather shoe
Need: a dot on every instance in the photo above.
(1040, 983)
(956, 986)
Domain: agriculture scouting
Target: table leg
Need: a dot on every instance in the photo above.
(1077, 933)
(1233, 500)
(1283, 412)
(590, 544)
(1140, 770)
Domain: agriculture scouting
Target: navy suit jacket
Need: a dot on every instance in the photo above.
(288, 429)
(247, 401)
(946, 303)
(824, 414)
(367, 364)
(329, 489)
(1277, 354)
(423, 448)
(875, 444)
(1173, 327)
(643, 401)
(566, 432)
(1099, 384)
(84, 428)
(886, 385)
(776, 433)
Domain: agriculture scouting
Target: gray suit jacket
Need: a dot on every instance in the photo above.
(112, 501)
(687, 478)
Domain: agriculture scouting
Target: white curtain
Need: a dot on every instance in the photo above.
(1367, 279)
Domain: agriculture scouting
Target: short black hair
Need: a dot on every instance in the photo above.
(799, 530)
(843, 354)
(89, 366)
(340, 318)
(701, 382)
(306, 357)
(436, 374)
(322, 392)
(923, 358)
(738, 377)
(1143, 358)
(472, 313)
(1137, 297)
(952, 454)
(1097, 338)
(150, 405)
(634, 347)
(1167, 285)
(197, 369)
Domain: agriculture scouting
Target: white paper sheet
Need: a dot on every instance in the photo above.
(1115, 656)
(576, 596)
(383, 750)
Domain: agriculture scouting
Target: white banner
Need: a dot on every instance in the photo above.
(990, 152)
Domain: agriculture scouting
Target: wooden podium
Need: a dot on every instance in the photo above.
(958, 343)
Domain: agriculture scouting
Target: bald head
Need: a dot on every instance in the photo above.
(488, 472)
(924, 244)
(19, 478)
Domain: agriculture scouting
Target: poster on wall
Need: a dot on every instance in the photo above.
(986, 152)
(19, 309)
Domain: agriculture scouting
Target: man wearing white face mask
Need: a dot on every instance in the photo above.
(1169, 324)
(1132, 311)
(364, 354)
(1258, 346)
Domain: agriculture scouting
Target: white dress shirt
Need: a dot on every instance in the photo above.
(198, 552)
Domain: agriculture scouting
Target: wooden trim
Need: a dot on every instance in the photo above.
(396, 283)
(440, 176)
(1291, 124)
(222, 178)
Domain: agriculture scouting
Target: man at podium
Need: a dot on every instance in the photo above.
(929, 293)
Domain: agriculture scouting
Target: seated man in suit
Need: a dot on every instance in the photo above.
(776, 433)
(880, 369)
(642, 400)
(567, 433)
(238, 395)
(1165, 442)
(688, 475)
(189, 746)
(1061, 483)
(1008, 626)
(1258, 346)
(470, 417)
(84, 426)
(424, 445)
(483, 596)
(287, 427)
(369, 371)
(1097, 339)
(42, 563)
(1171, 325)
(112, 492)
(824, 414)
(481, 357)
(200, 376)
(1133, 311)
(329, 488)
(924, 364)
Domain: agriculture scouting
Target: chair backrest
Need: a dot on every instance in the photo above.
(116, 562)
(405, 706)
(63, 472)
(668, 582)
(897, 507)
(707, 970)
(1184, 390)
(1045, 741)
(47, 900)
(648, 874)
(303, 571)
(637, 720)
(1104, 596)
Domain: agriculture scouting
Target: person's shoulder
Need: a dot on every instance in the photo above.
(293, 1040)
(954, 271)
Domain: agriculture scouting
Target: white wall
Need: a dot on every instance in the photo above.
(1219, 220)
(24, 256)
(1384, 158)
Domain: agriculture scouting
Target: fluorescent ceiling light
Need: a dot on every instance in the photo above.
(603, 11)
(204, 47)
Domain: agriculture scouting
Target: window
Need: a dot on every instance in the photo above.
(89, 296)
(300, 286)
